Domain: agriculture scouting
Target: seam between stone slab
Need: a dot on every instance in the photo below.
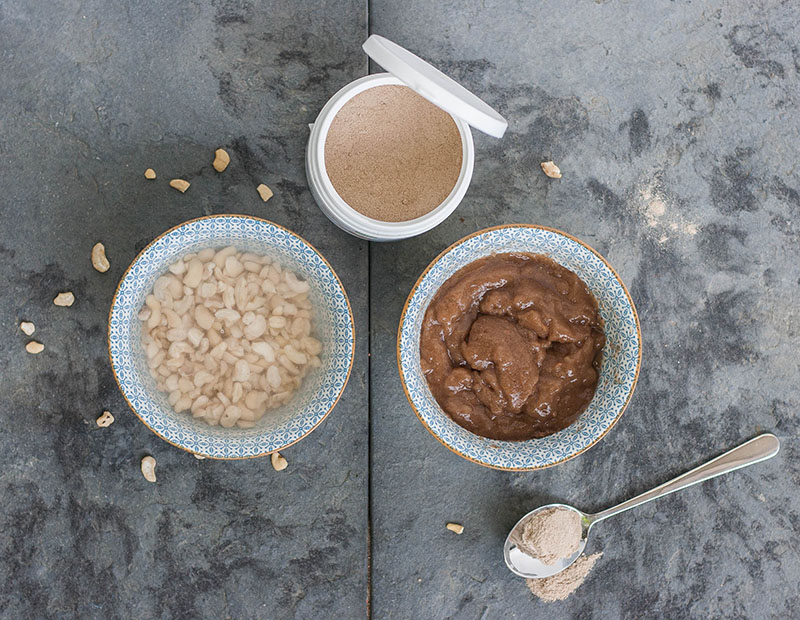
(368, 8)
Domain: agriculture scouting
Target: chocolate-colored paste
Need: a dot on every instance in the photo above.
(511, 346)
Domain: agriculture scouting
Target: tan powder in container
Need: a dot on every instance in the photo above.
(392, 155)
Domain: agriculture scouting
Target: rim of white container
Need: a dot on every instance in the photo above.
(345, 216)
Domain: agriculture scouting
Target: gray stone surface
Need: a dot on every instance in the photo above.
(92, 94)
(676, 128)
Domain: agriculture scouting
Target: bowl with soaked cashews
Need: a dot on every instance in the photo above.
(231, 337)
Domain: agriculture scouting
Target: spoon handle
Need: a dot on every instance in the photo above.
(757, 449)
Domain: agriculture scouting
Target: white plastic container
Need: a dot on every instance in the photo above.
(405, 69)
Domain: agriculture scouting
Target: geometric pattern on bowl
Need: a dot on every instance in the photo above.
(332, 325)
(621, 356)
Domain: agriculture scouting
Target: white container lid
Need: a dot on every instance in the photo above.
(435, 86)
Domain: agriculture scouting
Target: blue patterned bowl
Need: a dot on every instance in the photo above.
(281, 427)
(621, 357)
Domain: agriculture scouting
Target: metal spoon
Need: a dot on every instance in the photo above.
(758, 449)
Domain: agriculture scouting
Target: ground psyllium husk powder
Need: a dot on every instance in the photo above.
(551, 534)
(561, 585)
(392, 155)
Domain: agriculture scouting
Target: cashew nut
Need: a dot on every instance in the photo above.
(179, 184)
(149, 174)
(455, 527)
(34, 347)
(550, 169)
(99, 260)
(221, 160)
(64, 299)
(279, 463)
(27, 328)
(199, 457)
(149, 468)
(265, 192)
(105, 420)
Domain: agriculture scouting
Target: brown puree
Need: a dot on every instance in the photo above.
(511, 346)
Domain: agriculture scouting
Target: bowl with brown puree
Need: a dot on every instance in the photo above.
(519, 347)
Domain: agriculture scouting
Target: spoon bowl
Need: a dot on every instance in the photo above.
(524, 565)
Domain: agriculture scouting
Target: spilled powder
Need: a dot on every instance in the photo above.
(392, 155)
(561, 585)
(662, 213)
(551, 534)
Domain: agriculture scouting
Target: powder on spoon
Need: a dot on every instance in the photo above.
(392, 155)
(561, 585)
(551, 534)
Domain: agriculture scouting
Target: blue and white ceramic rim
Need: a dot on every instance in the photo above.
(621, 356)
(281, 427)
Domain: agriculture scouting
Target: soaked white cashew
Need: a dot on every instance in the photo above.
(277, 322)
(27, 328)
(194, 273)
(265, 350)
(99, 260)
(149, 468)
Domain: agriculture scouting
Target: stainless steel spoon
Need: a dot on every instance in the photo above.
(758, 449)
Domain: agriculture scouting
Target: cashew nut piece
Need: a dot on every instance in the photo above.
(199, 457)
(34, 347)
(455, 527)
(149, 174)
(27, 328)
(179, 184)
(105, 420)
(279, 463)
(99, 260)
(550, 169)
(149, 468)
(64, 299)
(265, 192)
(221, 160)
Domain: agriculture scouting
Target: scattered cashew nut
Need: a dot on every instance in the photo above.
(456, 528)
(221, 160)
(64, 299)
(279, 462)
(99, 260)
(105, 420)
(199, 457)
(149, 468)
(551, 170)
(179, 184)
(34, 347)
(27, 328)
(149, 174)
(265, 192)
